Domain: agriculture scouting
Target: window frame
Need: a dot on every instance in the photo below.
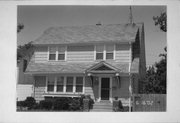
(57, 53)
(79, 84)
(110, 52)
(65, 85)
(104, 52)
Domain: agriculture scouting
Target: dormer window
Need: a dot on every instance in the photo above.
(104, 52)
(57, 53)
(61, 53)
(99, 52)
(109, 51)
(52, 53)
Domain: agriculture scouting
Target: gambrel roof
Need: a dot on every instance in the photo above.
(89, 34)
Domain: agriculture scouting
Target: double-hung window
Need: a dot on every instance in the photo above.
(50, 84)
(60, 84)
(69, 84)
(52, 53)
(61, 53)
(57, 53)
(109, 51)
(99, 52)
(79, 84)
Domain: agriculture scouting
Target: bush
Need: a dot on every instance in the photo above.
(75, 104)
(62, 103)
(46, 104)
(29, 102)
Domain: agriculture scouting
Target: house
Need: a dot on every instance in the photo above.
(24, 85)
(104, 61)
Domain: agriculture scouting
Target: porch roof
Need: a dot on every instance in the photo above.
(70, 67)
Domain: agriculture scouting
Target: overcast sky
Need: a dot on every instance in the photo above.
(37, 19)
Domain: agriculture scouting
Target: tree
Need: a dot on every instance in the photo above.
(161, 21)
(26, 50)
(20, 27)
(155, 79)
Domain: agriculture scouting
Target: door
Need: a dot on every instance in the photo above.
(105, 84)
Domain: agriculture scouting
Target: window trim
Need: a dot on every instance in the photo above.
(104, 52)
(57, 53)
(65, 84)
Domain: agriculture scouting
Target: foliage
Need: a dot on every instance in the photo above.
(74, 104)
(28, 102)
(117, 106)
(46, 104)
(25, 51)
(161, 21)
(155, 79)
(20, 27)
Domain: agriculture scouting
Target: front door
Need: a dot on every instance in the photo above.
(105, 84)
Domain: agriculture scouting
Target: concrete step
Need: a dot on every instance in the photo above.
(102, 107)
(100, 110)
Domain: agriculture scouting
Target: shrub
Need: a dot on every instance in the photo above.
(46, 104)
(62, 103)
(75, 104)
(30, 102)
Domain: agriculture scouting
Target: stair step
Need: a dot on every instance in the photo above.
(100, 110)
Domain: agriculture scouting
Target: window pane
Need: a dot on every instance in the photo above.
(99, 55)
(60, 80)
(50, 88)
(69, 81)
(109, 48)
(79, 88)
(79, 80)
(61, 56)
(99, 48)
(59, 88)
(52, 56)
(69, 88)
(109, 55)
(51, 80)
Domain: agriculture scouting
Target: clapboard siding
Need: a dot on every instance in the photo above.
(80, 53)
(121, 91)
(88, 87)
(83, 53)
(24, 91)
(122, 52)
(41, 54)
(40, 83)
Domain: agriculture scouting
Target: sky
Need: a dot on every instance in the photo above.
(37, 19)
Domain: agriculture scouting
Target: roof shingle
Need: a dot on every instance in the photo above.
(88, 34)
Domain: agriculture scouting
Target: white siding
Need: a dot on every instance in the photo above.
(24, 91)
(123, 53)
(80, 53)
(41, 54)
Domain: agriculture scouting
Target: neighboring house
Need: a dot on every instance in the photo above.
(24, 84)
(103, 61)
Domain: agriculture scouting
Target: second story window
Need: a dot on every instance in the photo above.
(109, 51)
(61, 53)
(52, 53)
(99, 52)
(104, 52)
(57, 53)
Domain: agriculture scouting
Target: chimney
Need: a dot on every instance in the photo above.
(99, 23)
